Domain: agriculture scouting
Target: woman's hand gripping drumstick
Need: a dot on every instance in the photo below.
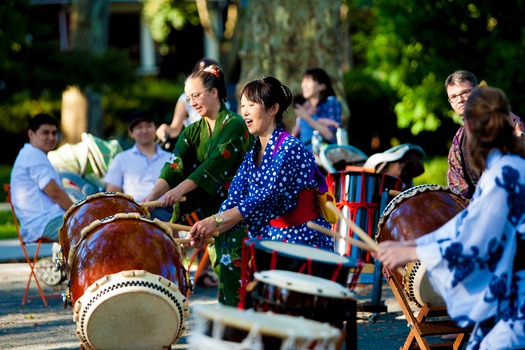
(157, 203)
(371, 245)
(187, 241)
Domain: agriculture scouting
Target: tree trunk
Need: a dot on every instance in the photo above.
(285, 38)
(89, 34)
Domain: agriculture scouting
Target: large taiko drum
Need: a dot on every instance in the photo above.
(297, 294)
(94, 207)
(128, 284)
(358, 194)
(410, 215)
(221, 327)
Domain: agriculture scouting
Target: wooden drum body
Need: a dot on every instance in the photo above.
(221, 327)
(414, 213)
(94, 207)
(128, 284)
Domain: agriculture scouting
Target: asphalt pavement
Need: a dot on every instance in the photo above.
(35, 326)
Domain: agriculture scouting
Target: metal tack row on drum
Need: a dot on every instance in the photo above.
(125, 270)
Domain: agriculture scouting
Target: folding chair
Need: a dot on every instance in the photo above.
(30, 260)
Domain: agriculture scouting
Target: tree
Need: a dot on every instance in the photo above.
(82, 105)
(284, 38)
(413, 46)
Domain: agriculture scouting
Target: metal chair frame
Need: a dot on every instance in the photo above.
(31, 260)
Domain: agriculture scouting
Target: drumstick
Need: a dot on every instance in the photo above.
(329, 232)
(180, 227)
(362, 234)
(358, 230)
(157, 202)
(188, 241)
(393, 192)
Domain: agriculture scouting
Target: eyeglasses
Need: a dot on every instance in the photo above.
(461, 96)
(196, 96)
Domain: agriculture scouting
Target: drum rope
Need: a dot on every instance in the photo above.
(246, 254)
(273, 263)
(353, 208)
(336, 272)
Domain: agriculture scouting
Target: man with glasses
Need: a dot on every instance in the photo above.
(461, 176)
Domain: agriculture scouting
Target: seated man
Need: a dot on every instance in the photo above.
(136, 170)
(37, 194)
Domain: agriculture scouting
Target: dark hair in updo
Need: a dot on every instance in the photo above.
(267, 92)
(211, 77)
(487, 111)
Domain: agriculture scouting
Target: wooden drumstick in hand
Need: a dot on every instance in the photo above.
(188, 241)
(327, 231)
(180, 227)
(157, 202)
(360, 233)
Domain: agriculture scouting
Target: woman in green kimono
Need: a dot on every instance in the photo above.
(204, 161)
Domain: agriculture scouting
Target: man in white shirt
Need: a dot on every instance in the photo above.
(37, 194)
(136, 170)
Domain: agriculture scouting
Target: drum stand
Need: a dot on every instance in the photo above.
(429, 322)
(373, 269)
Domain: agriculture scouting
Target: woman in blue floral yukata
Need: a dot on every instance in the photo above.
(475, 261)
(273, 192)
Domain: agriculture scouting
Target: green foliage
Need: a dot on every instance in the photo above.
(413, 46)
(7, 226)
(164, 16)
(34, 71)
(5, 178)
(13, 31)
(435, 172)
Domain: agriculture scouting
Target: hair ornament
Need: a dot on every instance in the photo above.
(212, 70)
(286, 91)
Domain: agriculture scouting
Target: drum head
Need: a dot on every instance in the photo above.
(267, 323)
(131, 310)
(304, 252)
(418, 288)
(306, 284)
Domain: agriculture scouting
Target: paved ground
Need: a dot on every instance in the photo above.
(38, 327)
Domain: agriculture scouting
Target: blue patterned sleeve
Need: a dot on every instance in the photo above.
(474, 250)
(282, 177)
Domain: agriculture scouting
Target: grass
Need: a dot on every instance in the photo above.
(435, 172)
(7, 226)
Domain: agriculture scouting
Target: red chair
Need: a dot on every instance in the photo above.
(31, 260)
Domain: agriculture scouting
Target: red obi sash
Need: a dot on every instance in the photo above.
(305, 211)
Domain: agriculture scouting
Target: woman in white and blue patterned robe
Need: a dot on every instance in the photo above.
(476, 261)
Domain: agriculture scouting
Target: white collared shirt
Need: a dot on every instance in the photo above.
(31, 173)
(134, 172)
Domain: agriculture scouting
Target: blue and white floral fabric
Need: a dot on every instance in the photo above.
(477, 260)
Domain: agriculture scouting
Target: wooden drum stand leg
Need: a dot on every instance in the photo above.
(421, 326)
